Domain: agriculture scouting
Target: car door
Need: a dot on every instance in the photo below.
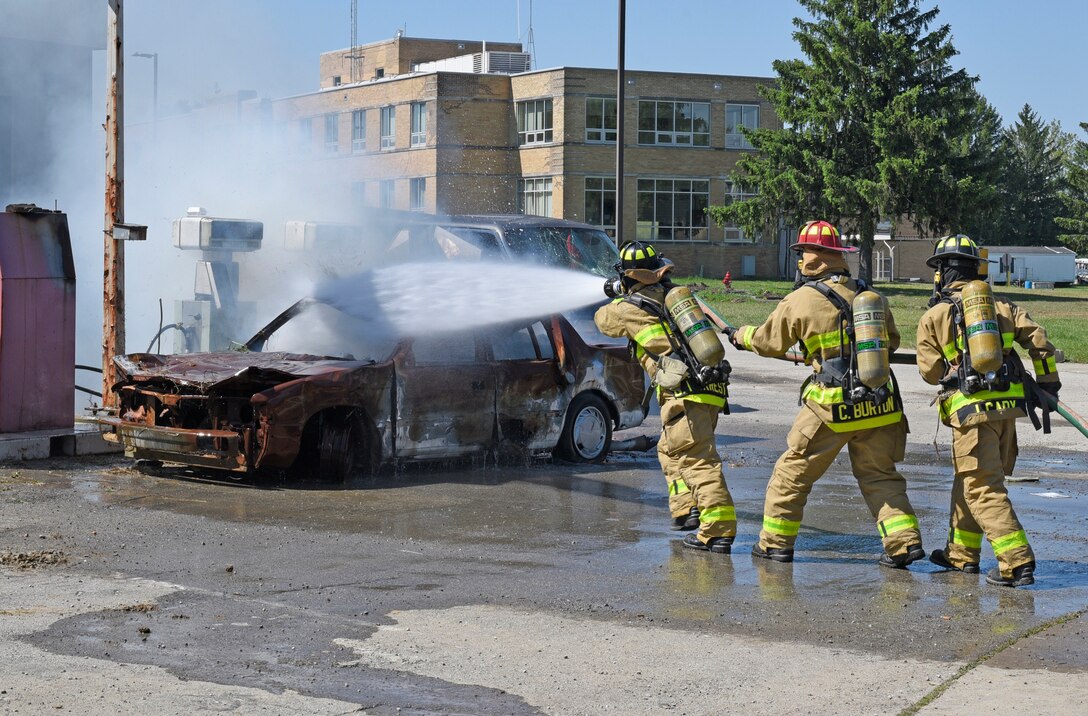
(445, 398)
(530, 388)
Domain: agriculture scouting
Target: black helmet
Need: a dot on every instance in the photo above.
(639, 255)
(955, 249)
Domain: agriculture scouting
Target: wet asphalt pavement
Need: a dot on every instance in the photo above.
(530, 588)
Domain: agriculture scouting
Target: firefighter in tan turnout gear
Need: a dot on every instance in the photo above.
(844, 402)
(965, 344)
(691, 378)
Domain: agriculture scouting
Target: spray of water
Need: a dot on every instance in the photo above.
(410, 299)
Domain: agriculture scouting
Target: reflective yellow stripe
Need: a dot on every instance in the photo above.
(678, 487)
(1009, 541)
(704, 398)
(746, 333)
(897, 524)
(787, 528)
(822, 394)
(831, 339)
(655, 331)
(959, 400)
(722, 513)
(1006, 340)
(1045, 366)
(950, 352)
(867, 423)
(971, 540)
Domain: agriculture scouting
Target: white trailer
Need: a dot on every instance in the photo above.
(1044, 265)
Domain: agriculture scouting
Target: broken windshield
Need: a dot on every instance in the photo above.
(314, 328)
(587, 249)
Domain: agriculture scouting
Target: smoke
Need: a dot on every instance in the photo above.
(211, 142)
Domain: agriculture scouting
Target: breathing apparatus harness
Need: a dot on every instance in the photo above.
(697, 375)
(969, 381)
(842, 371)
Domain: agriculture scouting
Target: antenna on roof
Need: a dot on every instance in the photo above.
(354, 55)
(530, 44)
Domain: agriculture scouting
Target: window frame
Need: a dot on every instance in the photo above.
(358, 131)
(664, 129)
(417, 193)
(418, 136)
(543, 113)
(652, 229)
(532, 191)
(305, 135)
(735, 191)
(388, 122)
(736, 139)
(387, 193)
(603, 191)
(332, 133)
(602, 132)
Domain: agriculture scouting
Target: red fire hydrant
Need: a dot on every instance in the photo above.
(727, 280)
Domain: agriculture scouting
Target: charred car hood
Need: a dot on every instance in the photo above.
(206, 371)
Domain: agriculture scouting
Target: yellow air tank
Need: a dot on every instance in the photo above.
(694, 327)
(871, 339)
(980, 327)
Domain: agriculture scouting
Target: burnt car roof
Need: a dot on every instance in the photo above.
(206, 370)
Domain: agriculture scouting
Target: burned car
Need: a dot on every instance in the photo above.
(354, 399)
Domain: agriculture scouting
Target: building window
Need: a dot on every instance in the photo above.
(332, 133)
(684, 124)
(386, 193)
(600, 119)
(336, 81)
(419, 124)
(672, 209)
(601, 202)
(305, 135)
(417, 194)
(535, 122)
(358, 193)
(535, 196)
(389, 127)
(737, 116)
(735, 191)
(358, 130)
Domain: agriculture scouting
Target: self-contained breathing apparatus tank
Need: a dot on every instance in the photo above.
(695, 329)
(982, 336)
(870, 339)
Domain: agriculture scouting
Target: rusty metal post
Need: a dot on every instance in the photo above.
(113, 295)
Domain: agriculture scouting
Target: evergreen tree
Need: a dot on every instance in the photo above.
(876, 126)
(1031, 189)
(1073, 218)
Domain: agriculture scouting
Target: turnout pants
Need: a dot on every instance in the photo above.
(982, 454)
(811, 447)
(693, 468)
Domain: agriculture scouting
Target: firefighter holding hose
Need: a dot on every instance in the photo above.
(851, 400)
(966, 345)
(679, 349)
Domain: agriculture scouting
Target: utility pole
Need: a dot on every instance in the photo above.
(113, 295)
(620, 82)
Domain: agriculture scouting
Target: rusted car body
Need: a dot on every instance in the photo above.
(524, 388)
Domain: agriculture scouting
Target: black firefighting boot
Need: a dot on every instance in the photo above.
(718, 545)
(687, 522)
(939, 558)
(778, 555)
(900, 561)
(1022, 576)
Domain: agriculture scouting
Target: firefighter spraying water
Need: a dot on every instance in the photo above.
(672, 339)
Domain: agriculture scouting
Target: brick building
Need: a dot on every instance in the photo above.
(458, 127)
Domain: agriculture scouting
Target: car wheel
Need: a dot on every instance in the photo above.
(587, 431)
(337, 449)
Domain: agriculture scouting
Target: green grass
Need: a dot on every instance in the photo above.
(1062, 311)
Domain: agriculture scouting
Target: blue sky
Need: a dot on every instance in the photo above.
(1023, 52)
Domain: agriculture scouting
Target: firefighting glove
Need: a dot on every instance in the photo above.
(1052, 388)
(731, 333)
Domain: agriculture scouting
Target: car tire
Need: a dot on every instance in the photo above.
(587, 430)
(337, 449)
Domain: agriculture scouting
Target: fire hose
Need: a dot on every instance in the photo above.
(795, 356)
